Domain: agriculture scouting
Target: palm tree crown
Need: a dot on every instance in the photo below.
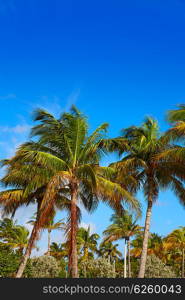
(87, 241)
(15, 236)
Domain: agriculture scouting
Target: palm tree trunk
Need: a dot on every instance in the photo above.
(86, 253)
(21, 250)
(114, 268)
(183, 263)
(32, 239)
(49, 241)
(129, 265)
(125, 260)
(73, 259)
(85, 271)
(145, 240)
(109, 261)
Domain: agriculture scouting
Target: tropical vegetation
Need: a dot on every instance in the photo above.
(60, 169)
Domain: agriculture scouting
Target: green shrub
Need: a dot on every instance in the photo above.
(44, 266)
(63, 267)
(155, 268)
(97, 268)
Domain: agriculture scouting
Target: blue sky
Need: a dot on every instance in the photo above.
(118, 61)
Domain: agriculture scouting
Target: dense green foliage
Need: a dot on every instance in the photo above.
(9, 262)
(97, 268)
(155, 268)
(44, 266)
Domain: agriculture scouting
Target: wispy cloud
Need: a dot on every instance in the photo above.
(55, 104)
(8, 96)
(72, 99)
(12, 137)
(24, 213)
(51, 104)
(161, 203)
(16, 129)
(85, 225)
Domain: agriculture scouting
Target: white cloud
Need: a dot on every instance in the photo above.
(85, 225)
(72, 99)
(24, 214)
(51, 104)
(55, 104)
(161, 203)
(16, 129)
(12, 137)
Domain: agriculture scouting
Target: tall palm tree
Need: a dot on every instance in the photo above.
(72, 157)
(123, 227)
(176, 240)
(107, 249)
(87, 241)
(24, 177)
(151, 172)
(177, 134)
(59, 225)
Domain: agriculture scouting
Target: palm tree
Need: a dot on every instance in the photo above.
(123, 227)
(15, 236)
(24, 177)
(177, 119)
(155, 243)
(136, 245)
(59, 250)
(6, 227)
(151, 172)
(87, 241)
(107, 249)
(176, 240)
(72, 157)
(19, 239)
(175, 134)
(60, 225)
